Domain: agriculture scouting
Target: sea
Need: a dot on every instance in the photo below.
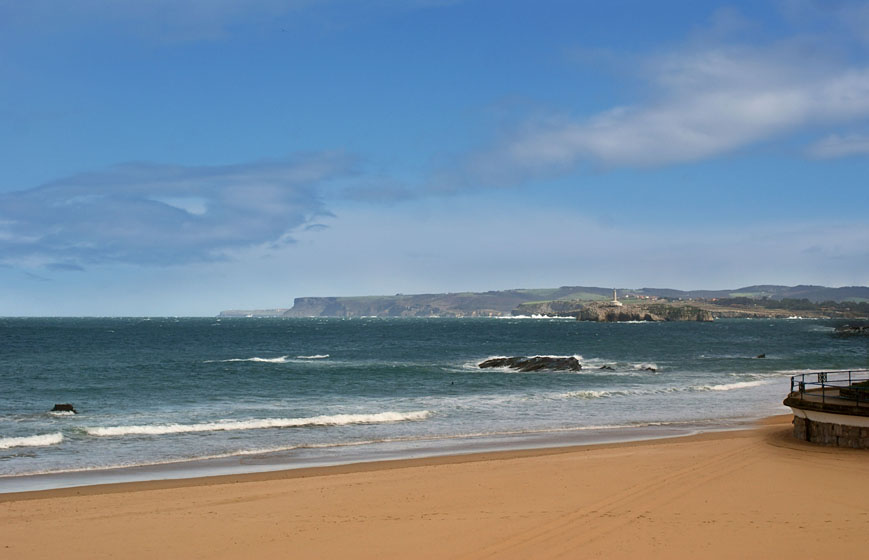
(180, 397)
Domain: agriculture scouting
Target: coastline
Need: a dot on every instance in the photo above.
(157, 479)
(743, 493)
(366, 453)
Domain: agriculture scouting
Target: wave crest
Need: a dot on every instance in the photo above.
(595, 394)
(602, 394)
(737, 385)
(31, 441)
(229, 425)
(278, 360)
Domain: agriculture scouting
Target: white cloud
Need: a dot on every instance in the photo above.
(835, 146)
(164, 214)
(844, 16)
(703, 102)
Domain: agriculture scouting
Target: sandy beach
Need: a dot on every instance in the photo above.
(754, 493)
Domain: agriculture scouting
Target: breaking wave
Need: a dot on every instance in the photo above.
(589, 394)
(31, 441)
(560, 317)
(737, 385)
(278, 360)
(228, 425)
(313, 357)
(595, 394)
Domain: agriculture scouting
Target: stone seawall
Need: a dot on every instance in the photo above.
(827, 433)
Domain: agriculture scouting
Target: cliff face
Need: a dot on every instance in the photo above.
(606, 312)
(570, 301)
(434, 305)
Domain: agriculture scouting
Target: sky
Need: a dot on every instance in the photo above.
(182, 157)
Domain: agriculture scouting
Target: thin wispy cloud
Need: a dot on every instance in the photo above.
(701, 103)
(836, 146)
(844, 16)
(146, 213)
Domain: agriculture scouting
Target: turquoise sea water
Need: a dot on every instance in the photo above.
(161, 391)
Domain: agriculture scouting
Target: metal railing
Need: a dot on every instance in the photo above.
(851, 385)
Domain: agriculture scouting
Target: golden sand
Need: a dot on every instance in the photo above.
(742, 494)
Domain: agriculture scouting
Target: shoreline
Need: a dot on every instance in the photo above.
(368, 453)
(229, 470)
(753, 493)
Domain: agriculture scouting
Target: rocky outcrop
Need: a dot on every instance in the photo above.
(534, 363)
(852, 329)
(607, 312)
(66, 407)
(424, 305)
(555, 308)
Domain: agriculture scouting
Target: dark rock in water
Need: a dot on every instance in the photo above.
(853, 329)
(608, 368)
(534, 363)
(650, 368)
(761, 356)
(64, 408)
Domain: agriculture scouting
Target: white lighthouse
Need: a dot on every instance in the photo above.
(615, 302)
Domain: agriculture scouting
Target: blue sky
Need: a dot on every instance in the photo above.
(182, 157)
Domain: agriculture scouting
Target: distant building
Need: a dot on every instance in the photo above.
(615, 302)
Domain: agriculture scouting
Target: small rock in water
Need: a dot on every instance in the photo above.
(608, 368)
(64, 408)
(761, 356)
(852, 329)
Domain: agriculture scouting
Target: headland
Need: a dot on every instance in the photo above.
(593, 304)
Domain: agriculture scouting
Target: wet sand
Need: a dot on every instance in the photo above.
(754, 493)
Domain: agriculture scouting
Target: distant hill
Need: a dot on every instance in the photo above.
(507, 302)
(815, 294)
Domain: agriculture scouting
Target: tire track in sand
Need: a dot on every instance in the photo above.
(566, 534)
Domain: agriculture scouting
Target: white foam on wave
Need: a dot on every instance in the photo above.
(313, 357)
(278, 360)
(605, 366)
(590, 394)
(228, 425)
(595, 394)
(791, 372)
(42, 440)
(561, 318)
(61, 413)
(339, 444)
(736, 385)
